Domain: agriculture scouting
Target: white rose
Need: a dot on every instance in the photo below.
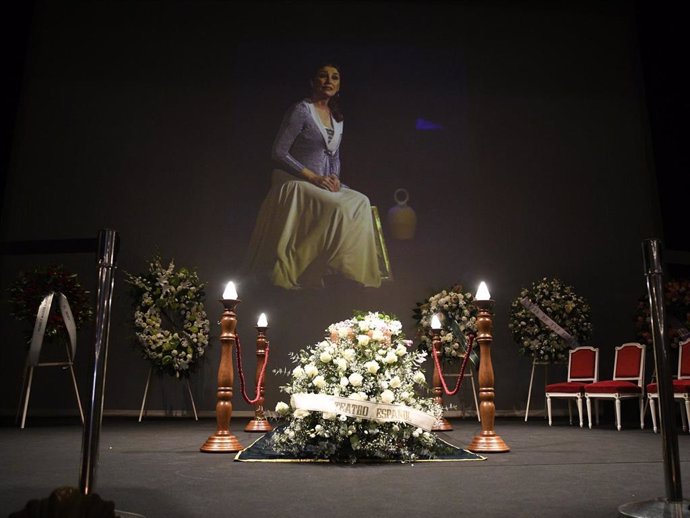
(298, 372)
(363, 340)
(355, 379)
(417, 432)
(419, 377)
(404, 395)
(357, 396)
(301, 413)
(387, 396)
(311, 370)
(341, 364)
(401, 350)
(391, 357)
(349, 354)
(377, 335)
(344, 382)
(282, 408)
(343, 332)
(395, 382)
(319, 382)
(329, 416)
(323, 344)
(383, 384)
(325, 357)
(372, 367)
(363, 325)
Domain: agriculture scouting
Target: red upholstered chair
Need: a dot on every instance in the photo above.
(627, 382)
(681, 387)
(583, 368)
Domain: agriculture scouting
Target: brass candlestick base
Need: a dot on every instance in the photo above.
(258, 425)
(487, 441)
(223, 441)
(442, 425)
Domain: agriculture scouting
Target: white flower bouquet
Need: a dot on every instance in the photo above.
(363, 359)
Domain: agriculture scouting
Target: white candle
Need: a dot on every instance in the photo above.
(230, 292)
(435, 322)
(483, 292)
(263, 321)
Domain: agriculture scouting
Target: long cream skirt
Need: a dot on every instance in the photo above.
(304, 232)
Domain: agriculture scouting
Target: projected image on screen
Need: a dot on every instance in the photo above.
(352, 166)
(311, 225)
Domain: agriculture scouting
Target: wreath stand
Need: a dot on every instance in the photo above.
(146, 392)
(531, 382)
(33, 356)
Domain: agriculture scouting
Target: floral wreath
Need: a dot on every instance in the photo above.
(365, 358)
(29, 289)
(562, 305)
(458, 316)
(169, 317)
(677, 302)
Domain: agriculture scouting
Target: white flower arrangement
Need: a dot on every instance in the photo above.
(560, 303)
(169, 317)
(458, 316)
(380, 370)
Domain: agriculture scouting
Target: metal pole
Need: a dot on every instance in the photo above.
(655, 288)
(673, 505)
(107, 251)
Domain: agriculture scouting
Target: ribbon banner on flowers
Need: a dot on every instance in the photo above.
(548, 322)
(42, 321)
(363, 409)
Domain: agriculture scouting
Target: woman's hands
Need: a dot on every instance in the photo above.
(329, 183)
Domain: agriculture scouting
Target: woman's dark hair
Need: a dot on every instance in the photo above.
(334, 102)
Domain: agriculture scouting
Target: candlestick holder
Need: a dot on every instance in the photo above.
(441, 424)
(487, 441)
(260, 423)
(223, 441)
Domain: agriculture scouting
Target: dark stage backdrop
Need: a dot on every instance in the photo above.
(156, 119)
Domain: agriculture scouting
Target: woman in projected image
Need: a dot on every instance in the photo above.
(310, 225)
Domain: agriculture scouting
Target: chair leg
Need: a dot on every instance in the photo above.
(596, 410)
(578, 401)
(652, 410)
(548, 407)
(618, 414)
(642, 410)
(570, 412)
(687, 411)
(589, 411)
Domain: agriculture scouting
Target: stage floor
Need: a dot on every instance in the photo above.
(154, 468)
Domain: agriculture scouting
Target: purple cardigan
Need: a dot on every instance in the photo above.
(302, 142)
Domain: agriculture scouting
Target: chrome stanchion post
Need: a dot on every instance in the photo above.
(673, 504)
(107, 252)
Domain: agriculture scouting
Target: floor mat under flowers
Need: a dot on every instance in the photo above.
(262, 451)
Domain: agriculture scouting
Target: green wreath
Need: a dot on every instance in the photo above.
(169, 317)
(458, 317)
(567, 309)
